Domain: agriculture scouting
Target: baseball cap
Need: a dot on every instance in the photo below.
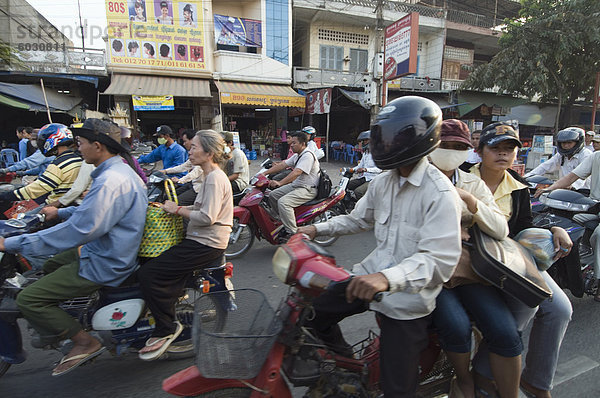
(596, 138)
(590, 133)
(497, 132)
(228, 136)
(163, 130)
(456, 131)
(102, 131)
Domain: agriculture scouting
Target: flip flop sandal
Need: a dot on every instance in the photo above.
(152, 355)
(81, 360)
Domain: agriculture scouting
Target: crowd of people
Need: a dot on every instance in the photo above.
(422, 183)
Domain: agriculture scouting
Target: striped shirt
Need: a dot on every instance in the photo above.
(55, 181)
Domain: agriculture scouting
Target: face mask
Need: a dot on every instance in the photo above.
(448, 159)
(33, 143)
(162, 141)
(365, 147)
(227, 149)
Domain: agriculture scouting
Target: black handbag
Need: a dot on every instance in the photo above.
(508, 266)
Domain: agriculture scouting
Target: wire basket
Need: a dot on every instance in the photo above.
(236, 346)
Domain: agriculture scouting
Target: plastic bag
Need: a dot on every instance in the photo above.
(540, 244)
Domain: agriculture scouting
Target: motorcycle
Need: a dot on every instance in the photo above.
(537, 182)
(577, 214)
(252, 219)
(347, 204)
(252, 354)
(117, 316)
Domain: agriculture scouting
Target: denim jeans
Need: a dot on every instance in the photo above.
(549, 327)
(487, 307)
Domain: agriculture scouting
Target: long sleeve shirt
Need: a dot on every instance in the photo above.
(55, 181)
(23, 148)
(109, 224)
(171, 156)
(81, 183)
(368, 163)
(193, 174)
(416, 221)
(211, 216)
(564, 166)
(35, 162)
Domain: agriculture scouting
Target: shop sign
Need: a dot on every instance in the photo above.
(144, 34)
(262, 100)
(233, 31)
(401, 40)
(153, 102)
(318, 102)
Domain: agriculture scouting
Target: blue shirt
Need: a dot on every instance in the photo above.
(35, 163)
(109, 224)
(23, 148)
(171, 156)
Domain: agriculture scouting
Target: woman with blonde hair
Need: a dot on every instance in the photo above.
(163, 278)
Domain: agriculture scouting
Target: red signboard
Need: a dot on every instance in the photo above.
(401, 40)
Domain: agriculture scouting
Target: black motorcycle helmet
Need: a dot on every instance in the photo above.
(405, 130)
(570, 134)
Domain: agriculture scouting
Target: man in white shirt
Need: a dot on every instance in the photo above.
(299, 186)
(570, 154)
(366, 169)
(589, 136)
(237, 169)
(311, 144)
(414, 211)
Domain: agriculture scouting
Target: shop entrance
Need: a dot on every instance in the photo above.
(255, 127)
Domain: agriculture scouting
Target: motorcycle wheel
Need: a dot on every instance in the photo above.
(244, 241)
(240, 392)
(183, 347)
(324, 217)
(3, 367)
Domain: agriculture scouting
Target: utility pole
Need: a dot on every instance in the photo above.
(379, 35)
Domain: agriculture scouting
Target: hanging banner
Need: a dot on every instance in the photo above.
(156, 33)
(318, 102)
(401, 41)
(233, 31)
(153, 102)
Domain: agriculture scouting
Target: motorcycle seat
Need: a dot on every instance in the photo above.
(590, 221)
(313, 202)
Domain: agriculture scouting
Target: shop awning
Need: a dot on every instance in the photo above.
(33, 96)
(4, 100)
(532, 115)
(473, 100)
(122, 84)
(267, 95)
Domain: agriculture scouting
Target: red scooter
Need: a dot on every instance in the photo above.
(249, 355)
(251, 219)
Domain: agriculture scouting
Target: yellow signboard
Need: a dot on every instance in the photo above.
(156, 33)
(262, 100)
(153, 102)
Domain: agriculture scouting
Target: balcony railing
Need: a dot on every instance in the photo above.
(71, 60)
(313, 77)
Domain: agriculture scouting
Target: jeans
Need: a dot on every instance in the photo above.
(490, 312)
(549, 327)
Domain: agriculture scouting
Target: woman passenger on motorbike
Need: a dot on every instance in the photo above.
(464, 293)
(189, 183)
(163, 278)
(498, 149)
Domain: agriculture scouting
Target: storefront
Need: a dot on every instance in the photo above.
(257, 111)
(178, 102)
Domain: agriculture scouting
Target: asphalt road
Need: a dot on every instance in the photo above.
(578, 374)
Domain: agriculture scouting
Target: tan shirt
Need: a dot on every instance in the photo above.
(309, 165)
(416, 221)
(211, 216)
(193, 175)
(591, 168)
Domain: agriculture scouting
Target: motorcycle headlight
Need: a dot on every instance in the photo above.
(281, 264)
(561, 205)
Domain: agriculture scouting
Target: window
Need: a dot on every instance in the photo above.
(277, 30)
(332, 57)
(358, 60)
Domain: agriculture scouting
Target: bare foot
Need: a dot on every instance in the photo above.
(535, 391)
(153, 344)
(83, 344)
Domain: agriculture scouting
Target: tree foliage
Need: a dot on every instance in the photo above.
(552, 49)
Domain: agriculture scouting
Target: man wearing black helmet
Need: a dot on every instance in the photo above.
(366, 169)
(414, 211)
(571, 152)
